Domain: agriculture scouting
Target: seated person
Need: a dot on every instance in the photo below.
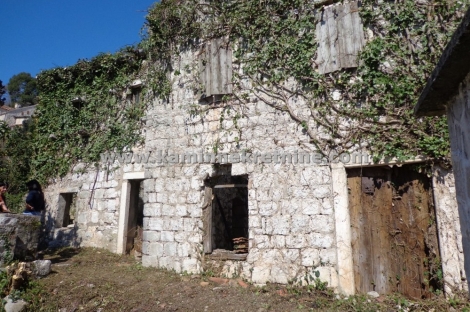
(3, 190)
(35, 199)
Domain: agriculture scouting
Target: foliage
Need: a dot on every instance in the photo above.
(23, 89)
(277, 50)
(15, 159)
(2, 93)
(85, 109)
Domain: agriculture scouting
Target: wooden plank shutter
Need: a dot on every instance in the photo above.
(340, 37)
(207, 220)
(216, 68)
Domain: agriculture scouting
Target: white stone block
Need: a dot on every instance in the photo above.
(321, 192)
(95, 217)
(167, 210)
(291, 206)
(169, 249)
(195, 211)
(278, 241)
(190, 266)
(267, 208)
(296, 241)
(162, 198)
(310, 257)
(322, 224)
(197, 183)
(152, 210)
(311, 207)
(159, 185)
(176, 224)
(149, 185)
(181, 210)
(155, 224)
(168, 236)
(189, 225)
(149, 261)
(320, 240)
(279, 275)
(261, 241)
(152, 197)
(328, 256)
(300, 223)
(111, 206)
(156, 249)
(151, 236)
(193, 197)
(195, 238)
(239, 169)
(145, 248)
(290, 255)
(281, 225)
(183, 250)
(260, 274)
(254, 222)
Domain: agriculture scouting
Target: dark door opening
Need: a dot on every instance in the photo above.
(66, 209)
(394, 233)
(136, 219)
(226, 217)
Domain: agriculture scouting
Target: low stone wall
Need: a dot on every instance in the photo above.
(19, 237)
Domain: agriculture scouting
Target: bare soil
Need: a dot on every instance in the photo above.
(96, 280)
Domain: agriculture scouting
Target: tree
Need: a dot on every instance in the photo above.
(23, 89)
(2, 92)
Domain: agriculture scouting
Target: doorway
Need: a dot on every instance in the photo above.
(393, 231)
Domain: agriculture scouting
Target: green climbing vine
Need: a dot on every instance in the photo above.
(85, 110)
(276, 52)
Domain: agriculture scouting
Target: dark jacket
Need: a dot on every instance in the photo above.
(36, 200)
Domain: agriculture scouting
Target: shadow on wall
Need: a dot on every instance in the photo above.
(56, 237)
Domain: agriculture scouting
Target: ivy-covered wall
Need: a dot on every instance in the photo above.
(276, 48)
(279, 102)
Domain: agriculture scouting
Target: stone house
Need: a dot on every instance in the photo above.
(355, 225)
(447, 92)
(17, 116)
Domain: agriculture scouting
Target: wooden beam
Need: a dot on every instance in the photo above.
(230, 185)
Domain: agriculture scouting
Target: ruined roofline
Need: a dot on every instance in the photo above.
(451, 70)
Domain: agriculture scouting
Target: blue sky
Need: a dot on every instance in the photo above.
(42, 34)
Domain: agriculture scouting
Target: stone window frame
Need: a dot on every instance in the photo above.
(61, 211)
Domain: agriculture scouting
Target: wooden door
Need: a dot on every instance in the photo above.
(394, 234)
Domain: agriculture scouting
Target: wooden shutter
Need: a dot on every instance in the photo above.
(216, 68)
(340, 37)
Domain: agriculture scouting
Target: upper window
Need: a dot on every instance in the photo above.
(136, 90)
(340, 37)
(215, 63)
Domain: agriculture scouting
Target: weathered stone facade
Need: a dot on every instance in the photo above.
(298, 219)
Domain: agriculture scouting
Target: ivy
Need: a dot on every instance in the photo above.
(277, 44)
(84, 110)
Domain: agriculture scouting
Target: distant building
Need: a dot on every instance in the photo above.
(16, 116)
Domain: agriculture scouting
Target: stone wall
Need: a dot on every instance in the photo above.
(458, 113)
(19, 237)
(294, 228)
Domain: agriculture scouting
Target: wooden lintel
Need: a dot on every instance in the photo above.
(227, 256)
(230, 185)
